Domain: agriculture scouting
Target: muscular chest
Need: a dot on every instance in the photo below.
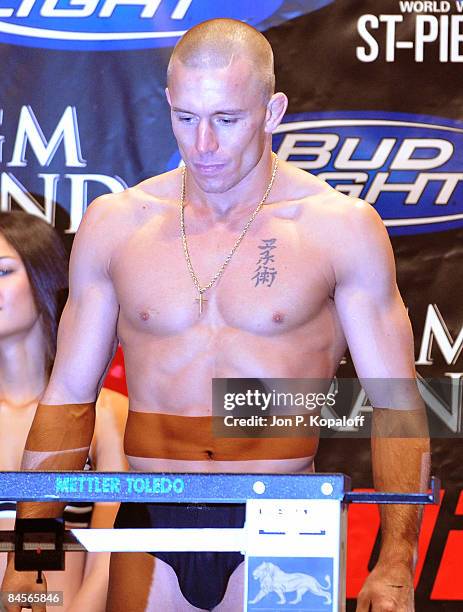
(276, 280)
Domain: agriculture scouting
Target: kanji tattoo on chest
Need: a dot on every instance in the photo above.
(265, 272)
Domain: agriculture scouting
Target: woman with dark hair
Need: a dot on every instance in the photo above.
(33, 289)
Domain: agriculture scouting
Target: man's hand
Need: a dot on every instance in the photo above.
(387, 589)
(22, 582)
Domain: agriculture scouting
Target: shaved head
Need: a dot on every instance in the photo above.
(220, 88)
(218, 42)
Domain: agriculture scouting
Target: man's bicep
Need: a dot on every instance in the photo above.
(369, 305)
(87, 330)
(378, 333)
(380, 340)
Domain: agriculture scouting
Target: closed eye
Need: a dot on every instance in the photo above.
(227, 120)
(185, 119)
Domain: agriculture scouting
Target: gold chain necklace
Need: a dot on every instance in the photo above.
(219, 272)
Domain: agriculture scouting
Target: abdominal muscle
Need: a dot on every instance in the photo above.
(171, 399)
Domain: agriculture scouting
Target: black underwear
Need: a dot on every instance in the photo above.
(202, 576)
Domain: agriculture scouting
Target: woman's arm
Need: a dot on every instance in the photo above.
(107, 454)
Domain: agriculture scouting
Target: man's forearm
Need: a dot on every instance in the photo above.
(400, 464)
(59, 439)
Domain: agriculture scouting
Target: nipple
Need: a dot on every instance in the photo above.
(278, 317)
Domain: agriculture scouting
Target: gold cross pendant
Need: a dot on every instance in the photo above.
(200, 299)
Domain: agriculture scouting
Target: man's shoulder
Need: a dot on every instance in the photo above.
(323, 204)
(163, 189)
(125, 209)
(345, 211)
(336, 220)
(346, 232)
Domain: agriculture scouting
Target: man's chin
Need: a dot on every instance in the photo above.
(212, 185)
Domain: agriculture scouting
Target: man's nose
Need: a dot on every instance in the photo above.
(206, 141)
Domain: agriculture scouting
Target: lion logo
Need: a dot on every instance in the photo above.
(274, 580)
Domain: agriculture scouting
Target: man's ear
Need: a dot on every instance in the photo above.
(276, 108)
(168, 96)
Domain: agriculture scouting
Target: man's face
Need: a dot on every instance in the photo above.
(218, 118)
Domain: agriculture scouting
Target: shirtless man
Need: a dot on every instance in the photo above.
(129, 279)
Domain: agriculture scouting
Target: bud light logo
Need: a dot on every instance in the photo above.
(409, 167)
(130, 24)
